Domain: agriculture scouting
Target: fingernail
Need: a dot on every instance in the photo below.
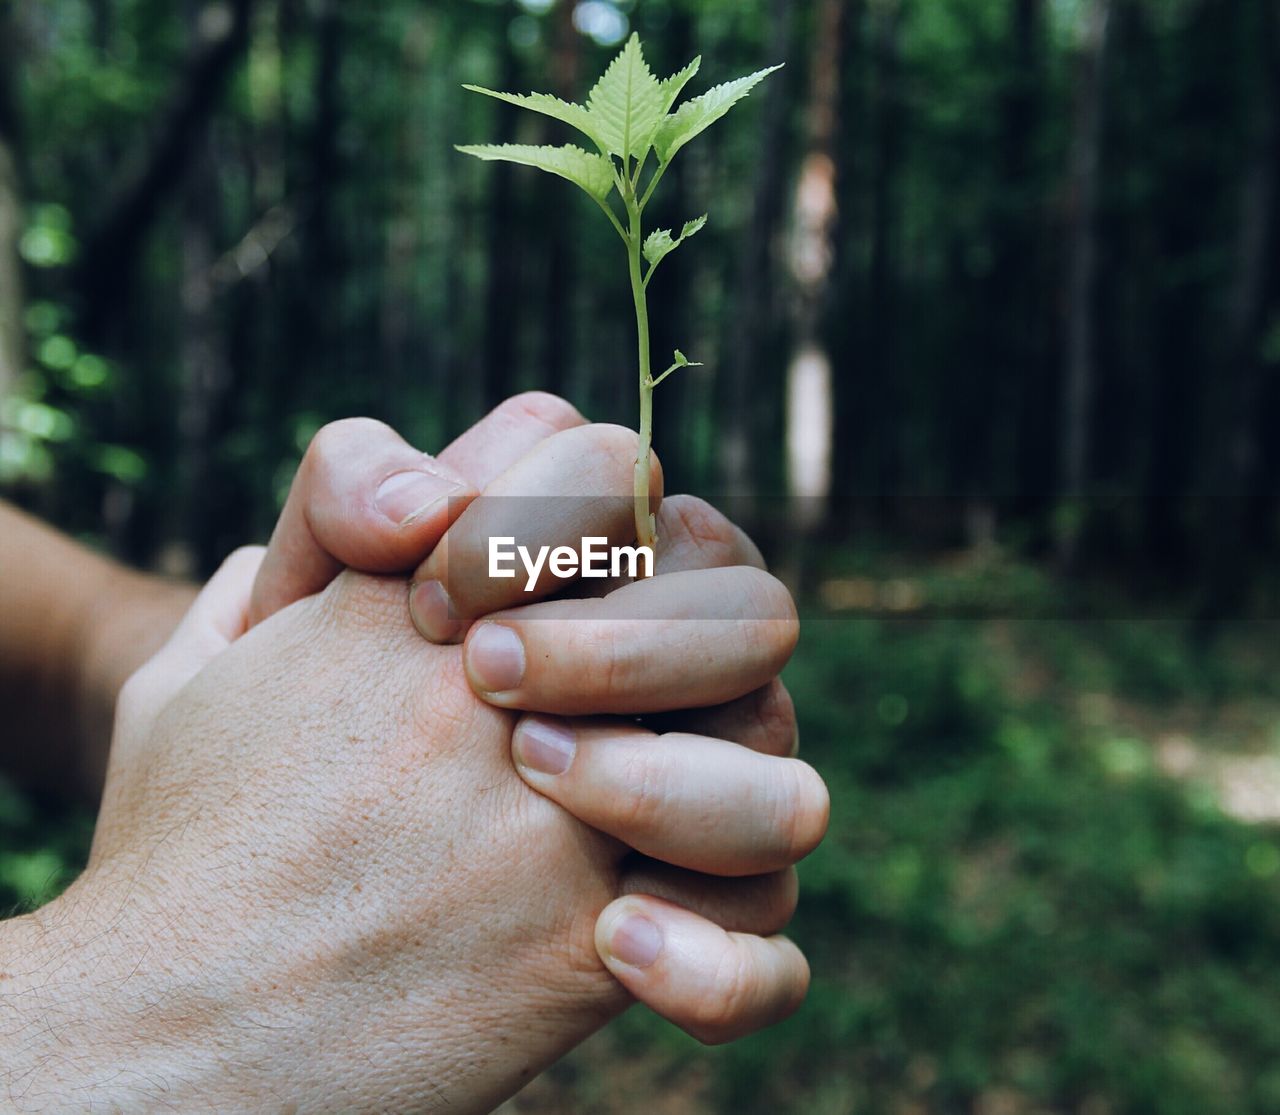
(404, 497)
(545, 746)
(432, 613)
(636, 941)
(495, 658)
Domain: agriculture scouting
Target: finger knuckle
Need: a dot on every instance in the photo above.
(374, 604)
(330, 447)
(607, 652)
(334, 440)
(646, 779)
(714, 535)
(613, 441)
(612, 450)
(542, 406)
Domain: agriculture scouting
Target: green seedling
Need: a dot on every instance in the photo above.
(629, 116)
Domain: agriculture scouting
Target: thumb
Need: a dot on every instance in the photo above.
(362, 497)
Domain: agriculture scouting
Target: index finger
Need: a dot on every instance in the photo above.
(696, 638)
(573, 488)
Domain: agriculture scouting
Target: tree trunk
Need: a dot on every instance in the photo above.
(502, 301)
(810, 399)
(845, 326)
(205, 367)
(1023, 376)
(112, 248)
(1235, 431)
(882, 394)
(399, 308)
(1082, 240)
(737, 434)
(323, 248)
(1179, 353)
(558, 348)
(11, 299)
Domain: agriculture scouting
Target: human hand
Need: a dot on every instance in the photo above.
(710, 642)
(83, 624)
(331, 520)
(317, 880)
(363, 498)
(707, 635)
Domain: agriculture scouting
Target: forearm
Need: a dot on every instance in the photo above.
(38, 1054)
(83, 1018)
(73, 626)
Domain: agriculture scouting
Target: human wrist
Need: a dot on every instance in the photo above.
(85, 1019)
(112, 999)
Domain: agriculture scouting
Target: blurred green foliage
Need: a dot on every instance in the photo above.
(1015, 900)
(311, 246)
(43, 846)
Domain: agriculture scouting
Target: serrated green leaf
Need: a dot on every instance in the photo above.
(594, 173)
(627, 104)
(696, 116)
(693, 227)
(575, 116)
(660, 243)
(674, 85)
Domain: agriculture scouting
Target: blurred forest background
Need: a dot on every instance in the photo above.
(990, 289)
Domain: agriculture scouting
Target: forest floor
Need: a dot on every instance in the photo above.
(1051, 883)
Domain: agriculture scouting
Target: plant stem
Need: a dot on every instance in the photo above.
(645, 529)
(653, 184)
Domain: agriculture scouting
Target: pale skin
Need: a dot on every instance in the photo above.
(328, 870)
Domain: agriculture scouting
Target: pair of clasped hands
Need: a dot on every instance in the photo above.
(341, 866)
